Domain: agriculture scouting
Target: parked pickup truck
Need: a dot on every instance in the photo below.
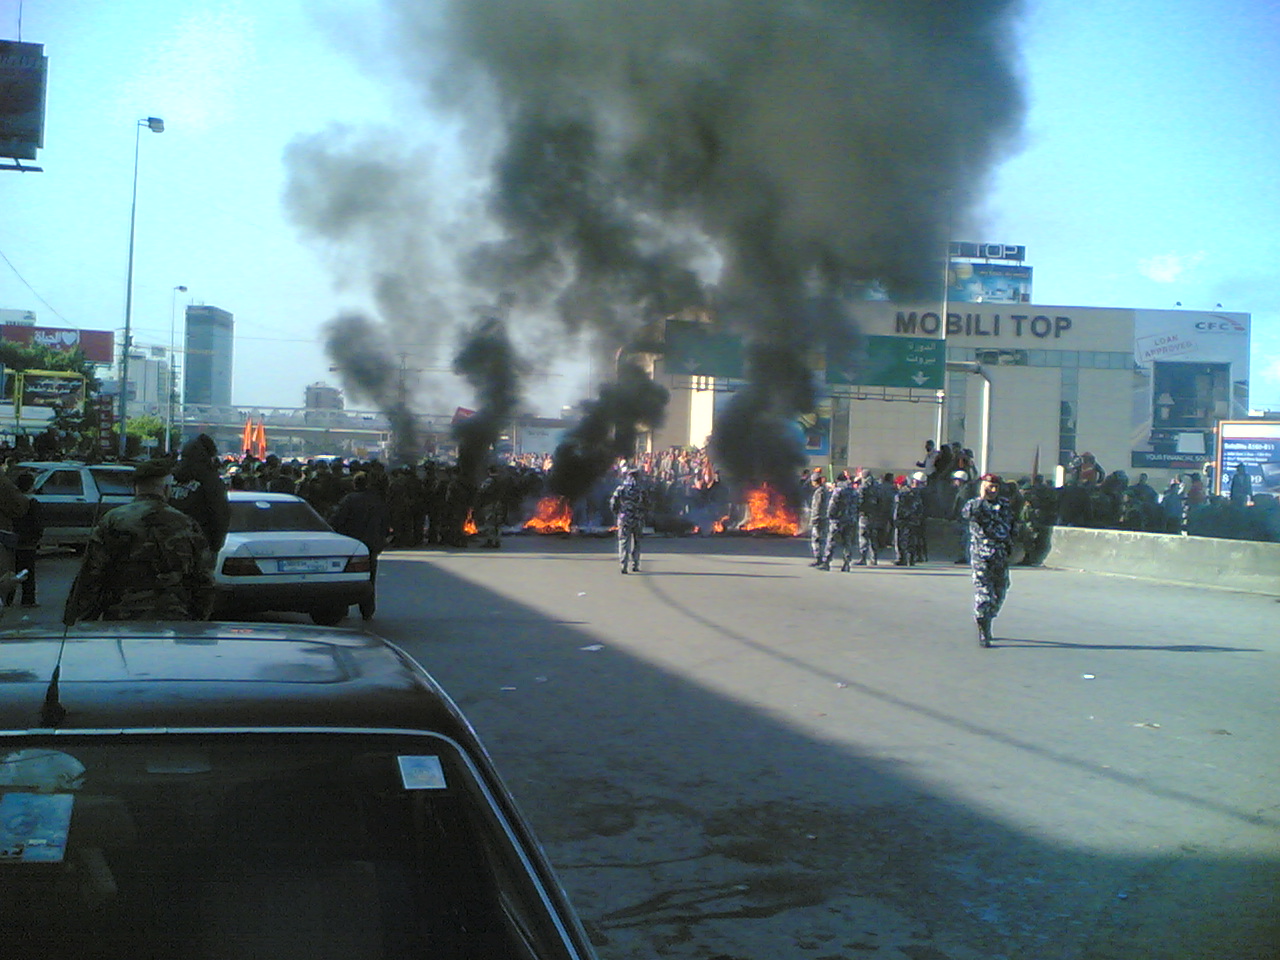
(73, 496)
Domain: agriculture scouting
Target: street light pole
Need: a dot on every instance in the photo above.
(168, 420)
(155, 125)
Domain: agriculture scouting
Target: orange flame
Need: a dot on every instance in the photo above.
(553, 515)
(768, 512)
(469, 528)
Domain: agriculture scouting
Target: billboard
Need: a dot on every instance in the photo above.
(52, 389)
(1192, 371)
(23, 73)
(98, 345)
(1256, 444)
(988, 282)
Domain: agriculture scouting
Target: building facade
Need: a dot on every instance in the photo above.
(1026, 387)
(207, 377)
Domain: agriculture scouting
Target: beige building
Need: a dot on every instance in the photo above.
(1025, 384)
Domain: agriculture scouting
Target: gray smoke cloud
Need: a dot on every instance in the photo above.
(489, 363)
(369, 370)
(760, 159)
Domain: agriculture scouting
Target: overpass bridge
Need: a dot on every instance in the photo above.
(301, 432)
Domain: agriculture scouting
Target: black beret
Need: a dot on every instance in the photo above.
(152, 469)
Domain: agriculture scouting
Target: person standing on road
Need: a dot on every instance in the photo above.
(871, 511)
(908, 523)
(13, 505)
(30, 528)
(990, 517)
(842, 523)
(145, 560)
(198, 491)
(819, 521)
(629, 503)
(364, 515)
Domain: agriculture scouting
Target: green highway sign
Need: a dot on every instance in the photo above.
(701, 350)
(911, 362)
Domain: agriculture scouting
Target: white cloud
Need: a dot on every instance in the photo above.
(1169, 267)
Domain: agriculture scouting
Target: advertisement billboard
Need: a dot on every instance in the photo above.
(23, 73)
(98, 345)
(1256, 444)
(1192, 371)
(52, 389)
(988, 282)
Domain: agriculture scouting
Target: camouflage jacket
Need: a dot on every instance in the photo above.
(991, 527)
(145, 560)
(630, 504)
(842, 511)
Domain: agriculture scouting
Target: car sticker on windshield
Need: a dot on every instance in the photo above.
(422, 773)
(33, 826)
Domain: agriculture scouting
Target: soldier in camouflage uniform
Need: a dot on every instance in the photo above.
(630, 504)
(145, 560)
(1039, 514)
(819, 525)
(908, 524)
(871, 518)
(491, 508)
(991, 523)
(842, 524)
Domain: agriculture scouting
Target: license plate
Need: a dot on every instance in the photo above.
(318, 565)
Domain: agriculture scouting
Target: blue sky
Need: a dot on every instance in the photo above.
(1146, 175)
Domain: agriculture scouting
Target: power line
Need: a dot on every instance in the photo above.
(32, 289)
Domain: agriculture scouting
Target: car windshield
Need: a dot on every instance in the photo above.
(260, 516)
(300, 845)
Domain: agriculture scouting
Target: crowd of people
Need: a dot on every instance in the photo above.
(854, 514)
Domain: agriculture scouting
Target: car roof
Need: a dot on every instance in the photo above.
(220, 675)
(249, 496)
(72, 464)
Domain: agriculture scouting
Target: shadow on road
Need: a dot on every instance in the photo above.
(688, 824)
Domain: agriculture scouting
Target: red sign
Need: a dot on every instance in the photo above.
(98, 345)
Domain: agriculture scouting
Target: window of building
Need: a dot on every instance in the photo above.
(1190, 396)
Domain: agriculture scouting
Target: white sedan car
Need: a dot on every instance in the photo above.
(281, 555)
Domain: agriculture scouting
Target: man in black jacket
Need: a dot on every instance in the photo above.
(198, 491)
(365, 516)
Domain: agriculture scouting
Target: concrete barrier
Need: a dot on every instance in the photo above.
(1197, 561)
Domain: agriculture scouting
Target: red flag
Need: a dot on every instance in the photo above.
(260, 440)
(246, 436)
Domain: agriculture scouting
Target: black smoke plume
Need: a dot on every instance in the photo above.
(489, 363)
(758, 159)
(608, 431)
(757, 439)
(359, 350)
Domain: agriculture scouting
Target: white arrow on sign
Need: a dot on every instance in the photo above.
(920, 377)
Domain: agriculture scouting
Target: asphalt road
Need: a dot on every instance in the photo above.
(732, 755)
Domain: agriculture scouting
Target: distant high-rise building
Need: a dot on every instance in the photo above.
(321, 396)
(208, 368)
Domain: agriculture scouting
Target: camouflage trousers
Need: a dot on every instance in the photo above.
(908, 543)
(629, 537)
(844, 536)
(869, 534)
(819, 537)
(990, 584)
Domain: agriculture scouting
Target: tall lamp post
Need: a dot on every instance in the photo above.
(155, 125)
(173, 380)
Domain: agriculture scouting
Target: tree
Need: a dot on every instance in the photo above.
(144, 427)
